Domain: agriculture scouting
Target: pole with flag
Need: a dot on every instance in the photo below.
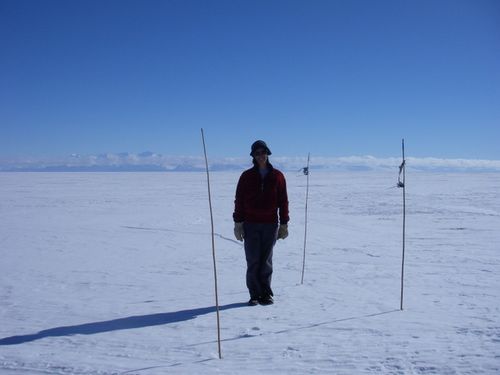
(401, 184)
(306, 172)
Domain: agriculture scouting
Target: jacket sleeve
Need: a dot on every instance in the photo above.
(239, 214)
(283, 200)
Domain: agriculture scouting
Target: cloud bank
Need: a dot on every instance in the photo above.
(150, 161)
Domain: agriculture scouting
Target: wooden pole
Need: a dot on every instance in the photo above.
(306, 172)
(403, 185)
(213, 245)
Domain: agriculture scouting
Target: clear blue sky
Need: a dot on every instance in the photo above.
(332, 77)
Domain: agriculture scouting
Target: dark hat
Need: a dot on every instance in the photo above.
(260, 144)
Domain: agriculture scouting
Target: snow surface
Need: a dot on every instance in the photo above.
(112, 273)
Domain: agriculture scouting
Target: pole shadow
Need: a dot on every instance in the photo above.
(289, 330)
(336, 321)
(131, 322)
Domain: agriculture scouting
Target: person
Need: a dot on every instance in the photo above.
(260, 218)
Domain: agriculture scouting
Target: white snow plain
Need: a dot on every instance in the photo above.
(112, 273)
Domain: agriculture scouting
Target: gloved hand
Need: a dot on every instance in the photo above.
(283, 231)
(239, 232)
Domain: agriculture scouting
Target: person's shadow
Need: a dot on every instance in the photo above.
(130, 322)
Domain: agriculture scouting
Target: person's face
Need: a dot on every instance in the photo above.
(260, 156)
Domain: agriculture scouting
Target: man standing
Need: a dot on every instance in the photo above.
(260, 217)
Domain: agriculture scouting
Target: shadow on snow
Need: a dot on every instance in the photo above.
(131, 322)
(314, 325)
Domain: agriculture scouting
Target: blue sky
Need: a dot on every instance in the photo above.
(335, 78)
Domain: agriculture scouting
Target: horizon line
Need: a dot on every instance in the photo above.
(149, 161)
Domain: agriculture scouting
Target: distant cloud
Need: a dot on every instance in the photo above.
(150, 161)
(456, 164)
(373, 163)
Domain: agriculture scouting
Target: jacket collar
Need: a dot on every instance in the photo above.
(256, 167)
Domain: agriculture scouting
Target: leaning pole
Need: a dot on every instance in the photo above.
(213, 245)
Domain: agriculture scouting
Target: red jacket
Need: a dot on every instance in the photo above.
(261, 200)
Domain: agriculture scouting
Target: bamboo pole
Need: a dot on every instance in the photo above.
(306, 172)
(403, 185)
(213, 245)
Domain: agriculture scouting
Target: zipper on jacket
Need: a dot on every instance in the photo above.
(263, 179)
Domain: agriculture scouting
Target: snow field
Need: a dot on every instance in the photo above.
(111, 273)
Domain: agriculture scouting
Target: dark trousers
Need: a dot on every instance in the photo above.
(259, 242)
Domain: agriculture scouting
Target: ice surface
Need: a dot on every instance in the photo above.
(111, 273)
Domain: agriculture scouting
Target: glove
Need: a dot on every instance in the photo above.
(239, 232)
(283, 231)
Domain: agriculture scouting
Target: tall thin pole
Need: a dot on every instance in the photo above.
(213, 245)
(306, 172)
(403, 185)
